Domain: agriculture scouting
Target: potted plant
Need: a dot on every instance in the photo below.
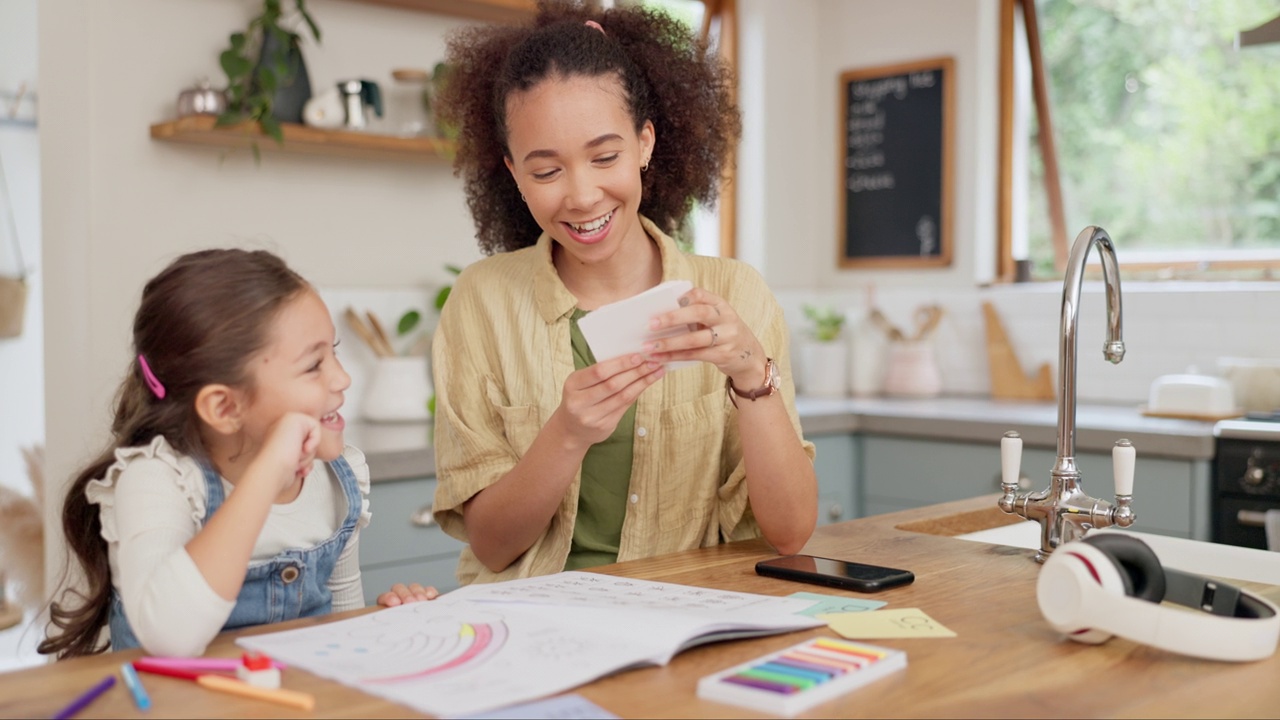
(267, 80)
(824, 357)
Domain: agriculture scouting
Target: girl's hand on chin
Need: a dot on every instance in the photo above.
(291, 446)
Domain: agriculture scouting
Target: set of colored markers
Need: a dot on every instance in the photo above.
(256, 677)
(794, 680)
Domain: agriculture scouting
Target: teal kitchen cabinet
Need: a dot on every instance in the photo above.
(403, 543)
(1171, 496)
(836, 465)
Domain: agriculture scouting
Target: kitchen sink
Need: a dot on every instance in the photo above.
(1195, 556)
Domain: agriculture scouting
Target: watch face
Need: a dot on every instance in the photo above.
(775, 380)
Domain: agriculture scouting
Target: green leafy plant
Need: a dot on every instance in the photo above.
(827, 323)
(256, 68)
(408, 322)
(444, 291)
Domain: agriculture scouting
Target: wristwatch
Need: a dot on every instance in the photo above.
(772, 382)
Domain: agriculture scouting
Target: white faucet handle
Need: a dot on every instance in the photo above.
(1123, 459)
(1010, 458)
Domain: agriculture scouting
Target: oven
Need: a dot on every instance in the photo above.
(1246, 479)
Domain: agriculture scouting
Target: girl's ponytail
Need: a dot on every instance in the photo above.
(81, 617)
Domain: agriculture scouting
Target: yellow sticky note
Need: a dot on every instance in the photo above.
(891, 623)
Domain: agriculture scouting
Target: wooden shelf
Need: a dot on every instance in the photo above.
(304, 140)
(500, 11)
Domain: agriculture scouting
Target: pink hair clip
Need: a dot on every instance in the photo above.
(150, 378)
(596, 25)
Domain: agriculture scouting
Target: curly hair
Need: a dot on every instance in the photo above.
(669, 78)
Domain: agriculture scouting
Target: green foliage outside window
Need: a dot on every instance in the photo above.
(1167, 135)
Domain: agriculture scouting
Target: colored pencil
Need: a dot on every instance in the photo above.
(201, 664)
(131, 681)
(83, 701)
(147, 667)
(292, 698)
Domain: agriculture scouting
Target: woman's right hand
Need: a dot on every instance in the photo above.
(595, 398)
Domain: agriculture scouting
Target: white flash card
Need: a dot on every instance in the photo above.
(622, 327)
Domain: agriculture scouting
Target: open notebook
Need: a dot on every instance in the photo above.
(487, 646)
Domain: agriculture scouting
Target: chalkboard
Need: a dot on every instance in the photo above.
(895, 165)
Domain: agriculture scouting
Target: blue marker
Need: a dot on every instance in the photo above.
(131, 681)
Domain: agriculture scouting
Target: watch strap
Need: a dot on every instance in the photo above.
(767, 388)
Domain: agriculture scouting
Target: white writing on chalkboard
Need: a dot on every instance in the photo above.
(922, 80)
(859, 140)
(865, 139)
(876, 89)
(861, 182)
(875, 122)
(865, 161)
(927, 234)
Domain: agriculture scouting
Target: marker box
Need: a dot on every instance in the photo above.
(793, 680)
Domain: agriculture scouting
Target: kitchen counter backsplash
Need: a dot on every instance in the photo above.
(398, 451)
(1168, 328)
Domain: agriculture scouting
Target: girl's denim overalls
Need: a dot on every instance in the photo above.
(291, 585)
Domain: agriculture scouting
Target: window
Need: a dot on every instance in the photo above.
(710, 231)
(1166, 134)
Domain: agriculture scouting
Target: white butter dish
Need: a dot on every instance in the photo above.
(1191, 396)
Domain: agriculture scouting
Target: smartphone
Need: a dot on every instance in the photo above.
(834, 573)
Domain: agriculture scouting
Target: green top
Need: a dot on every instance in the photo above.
(606, 478)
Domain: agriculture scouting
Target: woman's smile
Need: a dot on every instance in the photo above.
(592, 231)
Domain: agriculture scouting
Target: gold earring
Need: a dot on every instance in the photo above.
(645, 166)
(525, 199)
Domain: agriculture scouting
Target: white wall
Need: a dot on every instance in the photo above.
(118, 205)
(793, 54)
(21, 358)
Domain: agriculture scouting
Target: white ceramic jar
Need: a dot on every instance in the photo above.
(398, 390)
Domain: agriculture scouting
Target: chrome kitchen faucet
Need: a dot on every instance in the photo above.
(1065, 512)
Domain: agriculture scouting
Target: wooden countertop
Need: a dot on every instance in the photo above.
(1005, 661)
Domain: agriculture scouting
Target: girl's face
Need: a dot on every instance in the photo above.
(298, 371)
(576, 156)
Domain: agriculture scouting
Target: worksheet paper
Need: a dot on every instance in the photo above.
(488, 646)
(622, 327)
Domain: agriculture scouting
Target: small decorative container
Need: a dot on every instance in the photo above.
(824, 368)
(912, 370)
(201, 100)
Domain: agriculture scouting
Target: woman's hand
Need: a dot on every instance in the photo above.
(595, 398)
(717, 335)
(401, 594)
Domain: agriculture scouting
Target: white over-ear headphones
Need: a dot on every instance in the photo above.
(1111, 584)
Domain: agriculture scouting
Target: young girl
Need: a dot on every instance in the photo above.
(584, 139)
(228, 498)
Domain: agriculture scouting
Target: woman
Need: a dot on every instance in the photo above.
(585, 138)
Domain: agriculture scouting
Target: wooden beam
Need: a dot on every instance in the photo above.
(1004, 195)
(1048, 152)
(728, 46)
